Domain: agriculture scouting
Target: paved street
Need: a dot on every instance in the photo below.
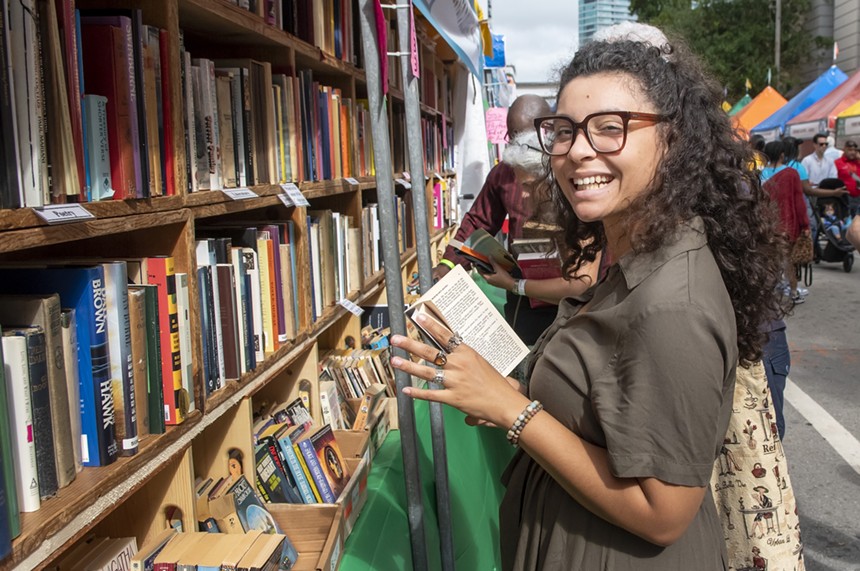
(823, 418)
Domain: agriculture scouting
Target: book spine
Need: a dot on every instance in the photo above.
(295, 468)
(161, 273)
(99, 358)
(250, 157)
(10, 175)
(98, 146)
(266, 297)
(253, 272)
(21, 420)
(238, 130)
(137, 323)
(216, 130)
(207, 328)
(5, 517)
(288, 484)
(307, 473)
(229, 330)
(10, 506)
(121, 363)
(150, 96)
(155, 386)
(134, 107)
(167, 148)
(316, 471)
(188, 121)
(240, 306)
(183, 311)
(70, 351)
(40, 401)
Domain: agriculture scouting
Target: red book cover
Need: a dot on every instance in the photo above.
(68, 33)
(539, 266)
(167, 106)
(160, 272)
(273, 292)
(106, 73)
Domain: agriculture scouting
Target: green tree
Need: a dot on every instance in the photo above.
(735, 38)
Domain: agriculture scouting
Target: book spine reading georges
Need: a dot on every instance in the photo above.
(458, 303)
(81, 288)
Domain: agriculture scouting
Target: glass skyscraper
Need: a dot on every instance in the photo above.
(598, 14)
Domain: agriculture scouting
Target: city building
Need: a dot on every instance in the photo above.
(595, 15)
(839, 21)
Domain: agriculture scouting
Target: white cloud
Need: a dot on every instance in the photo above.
(539, 36)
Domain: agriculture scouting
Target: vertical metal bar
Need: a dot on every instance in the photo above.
(425, 275)
(393, 280)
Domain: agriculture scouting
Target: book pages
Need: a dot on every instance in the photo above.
(471, 314)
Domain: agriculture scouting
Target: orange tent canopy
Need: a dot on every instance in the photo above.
(760, 108)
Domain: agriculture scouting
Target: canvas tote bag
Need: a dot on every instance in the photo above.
(750, 483)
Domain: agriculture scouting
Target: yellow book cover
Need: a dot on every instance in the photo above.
(269, 336)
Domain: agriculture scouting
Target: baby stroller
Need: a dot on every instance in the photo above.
(827, 247)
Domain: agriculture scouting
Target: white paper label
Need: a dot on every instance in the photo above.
(352, 181)
(288, 202)
(405, 184)
(240, 193)
(295, 194)
(351, 307)
(63, 213)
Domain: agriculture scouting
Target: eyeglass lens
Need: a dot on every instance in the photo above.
(605, 132)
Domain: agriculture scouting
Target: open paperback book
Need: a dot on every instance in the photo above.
(458, 303)
(479, 247)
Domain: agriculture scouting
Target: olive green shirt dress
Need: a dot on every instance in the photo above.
(645, 370)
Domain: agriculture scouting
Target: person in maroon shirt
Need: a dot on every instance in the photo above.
(503, 197)
(848, 170)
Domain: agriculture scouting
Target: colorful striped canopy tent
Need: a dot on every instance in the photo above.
(848, 124)
(742, 102)
(772, 127)
(821, 117)
(762, 106)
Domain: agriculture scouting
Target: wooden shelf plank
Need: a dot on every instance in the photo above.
(79, 506)
(20, 218)
(17, 240)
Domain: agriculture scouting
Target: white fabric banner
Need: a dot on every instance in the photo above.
(457, 22)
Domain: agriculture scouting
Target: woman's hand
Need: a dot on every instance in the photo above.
(500, 278)
(470, 385)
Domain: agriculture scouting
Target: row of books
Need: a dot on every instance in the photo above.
(175, 551)
(438, 153)
(371, 241)
(326, 24)
(115, 337)
(101, 79)
(247, 125)
(248, 287)
(297, 461)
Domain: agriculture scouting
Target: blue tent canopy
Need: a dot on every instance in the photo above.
(824, 84)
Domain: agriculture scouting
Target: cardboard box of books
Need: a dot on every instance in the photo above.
(317, 531)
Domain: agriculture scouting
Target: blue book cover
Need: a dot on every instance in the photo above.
(83, 289)
(204, 288)
(310, 455)
(295, 467)
(250, 349)
(325, 135)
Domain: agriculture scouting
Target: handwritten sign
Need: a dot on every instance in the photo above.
(240, 193)
(295, 195)
(351, 307)
(497, 124)
(63, 213)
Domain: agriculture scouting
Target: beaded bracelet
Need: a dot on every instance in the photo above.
(525, 416)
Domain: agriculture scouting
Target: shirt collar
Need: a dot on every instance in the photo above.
(636, 267)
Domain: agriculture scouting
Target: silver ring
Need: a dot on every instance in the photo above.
(439, 377)
(440, 359)
(454, 342)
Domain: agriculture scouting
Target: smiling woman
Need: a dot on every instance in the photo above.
(630, 395)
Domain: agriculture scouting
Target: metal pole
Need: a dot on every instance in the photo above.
(393, 280)
(425, 275)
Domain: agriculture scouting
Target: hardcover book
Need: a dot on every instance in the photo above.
(68, 322)
(82, 288)
(10, 506)
(44, 311)
(40, 404)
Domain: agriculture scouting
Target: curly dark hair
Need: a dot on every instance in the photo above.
(706, 171)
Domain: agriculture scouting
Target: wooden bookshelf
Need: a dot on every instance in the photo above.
(129, 495)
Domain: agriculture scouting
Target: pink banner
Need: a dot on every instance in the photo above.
(413, 43)
(497, 124)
